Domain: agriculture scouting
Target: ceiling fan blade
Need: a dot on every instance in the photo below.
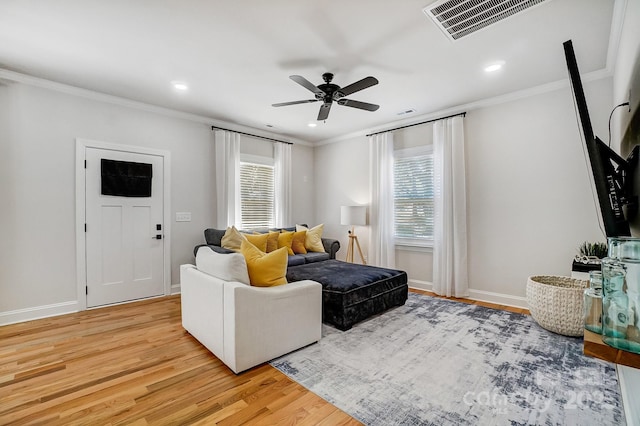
(306, 101)
(357, 104)
(306, 84)
(324, 111)
(357, 86)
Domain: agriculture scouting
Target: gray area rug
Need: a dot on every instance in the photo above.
(439, 362)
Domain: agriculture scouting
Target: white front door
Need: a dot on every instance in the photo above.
(124, 234)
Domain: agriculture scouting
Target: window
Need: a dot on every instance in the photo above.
(257, 192)
(413, 196)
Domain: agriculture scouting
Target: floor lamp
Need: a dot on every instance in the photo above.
(352, 216)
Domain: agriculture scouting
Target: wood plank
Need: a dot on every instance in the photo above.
(595, 347)
(135, 364)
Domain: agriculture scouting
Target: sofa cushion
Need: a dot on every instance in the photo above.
(272, 241)
(258, 240)
(297, 244)
(296, 259)
(313, 238)
(232, 239)
(313, 256)
(213, 236)
(285, 238)
(227, 267)
(265, 269)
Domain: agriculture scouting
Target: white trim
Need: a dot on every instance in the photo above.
(629, 379)
(176, 289)
(413, 151)
(37, 312)
(81, 261)
(257, 159)
(420, 285)
(479, 295)
(116, 100)
(617, 21)
(403, 245)
(499, 298)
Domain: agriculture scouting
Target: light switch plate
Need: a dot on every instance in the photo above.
(183, 216)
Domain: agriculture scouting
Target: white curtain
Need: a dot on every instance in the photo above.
(282, 157)
(381, 242)
(227, 148)
(450, 209)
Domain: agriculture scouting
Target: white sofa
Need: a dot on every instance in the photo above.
(244, 325)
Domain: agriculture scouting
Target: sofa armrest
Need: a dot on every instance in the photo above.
(217, 249)
(331, 246)
(202, 310)
(263, 323)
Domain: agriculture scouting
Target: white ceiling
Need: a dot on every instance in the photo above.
(236, 56)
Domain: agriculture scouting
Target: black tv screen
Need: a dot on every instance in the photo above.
(125, 178)
(608, 168)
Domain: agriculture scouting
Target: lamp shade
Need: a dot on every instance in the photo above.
(353, 215)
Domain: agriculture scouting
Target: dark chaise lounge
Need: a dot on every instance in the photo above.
(352, 293)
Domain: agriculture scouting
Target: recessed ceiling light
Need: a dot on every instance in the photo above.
(312, 124)
(179, 85)
(493, 67)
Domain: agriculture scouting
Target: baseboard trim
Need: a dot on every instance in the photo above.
(38, 312)
(479, 295)
(175, 288)
(499, 298)
(629, 379)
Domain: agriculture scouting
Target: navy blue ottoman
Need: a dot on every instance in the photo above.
(352, 293)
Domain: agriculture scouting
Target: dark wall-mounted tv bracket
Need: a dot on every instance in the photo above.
(612, 174)
(623, 178)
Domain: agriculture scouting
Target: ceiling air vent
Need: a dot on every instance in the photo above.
(459, 18)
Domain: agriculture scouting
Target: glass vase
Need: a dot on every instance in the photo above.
(593, 303)
(621, 294)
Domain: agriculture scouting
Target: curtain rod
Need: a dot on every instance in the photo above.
(249, 134)
(417, 124)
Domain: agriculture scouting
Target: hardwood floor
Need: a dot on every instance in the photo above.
(135, 364)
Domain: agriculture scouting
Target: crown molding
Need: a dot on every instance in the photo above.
(509, 97)
(17, 77)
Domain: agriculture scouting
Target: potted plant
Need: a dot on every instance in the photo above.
(589, 257)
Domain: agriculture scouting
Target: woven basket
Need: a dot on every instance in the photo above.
(556, 303)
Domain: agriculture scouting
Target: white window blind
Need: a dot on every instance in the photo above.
(413, 196)
(256, 195)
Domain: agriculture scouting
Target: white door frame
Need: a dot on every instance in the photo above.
(81, 246)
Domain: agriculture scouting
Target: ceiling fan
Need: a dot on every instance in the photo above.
(328, 92)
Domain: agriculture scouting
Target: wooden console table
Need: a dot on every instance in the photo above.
(595, 347)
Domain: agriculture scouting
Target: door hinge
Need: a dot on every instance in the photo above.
(85, 227)
(85, 164)
(86, 289)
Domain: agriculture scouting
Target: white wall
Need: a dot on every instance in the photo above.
(529, 195)
(529, 199)
(626, 78)
(38, 129)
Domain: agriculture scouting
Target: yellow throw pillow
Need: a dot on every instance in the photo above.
(297, 244)
(272, 241)
(232, 239)
(258, 240)
(265, 269)
(285, 238)
(313, 240)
